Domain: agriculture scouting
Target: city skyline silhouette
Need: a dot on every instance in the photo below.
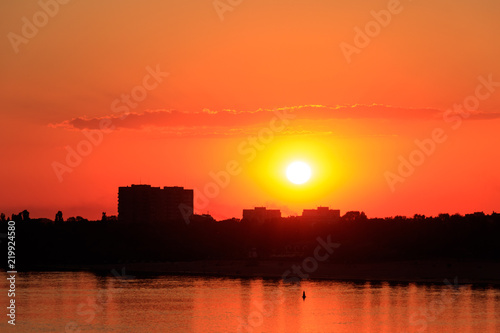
(250, 166)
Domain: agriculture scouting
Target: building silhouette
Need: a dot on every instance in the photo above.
(261, 214)
(321, 214)
(144, 203)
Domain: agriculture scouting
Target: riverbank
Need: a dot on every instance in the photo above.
(436, 271)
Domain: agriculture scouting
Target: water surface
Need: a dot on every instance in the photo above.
(85, 302)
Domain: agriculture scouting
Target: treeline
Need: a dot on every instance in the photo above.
(41, 244)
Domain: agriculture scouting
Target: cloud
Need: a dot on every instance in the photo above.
(484, 115)
(233, 122)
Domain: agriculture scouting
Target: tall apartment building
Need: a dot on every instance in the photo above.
(144, 203)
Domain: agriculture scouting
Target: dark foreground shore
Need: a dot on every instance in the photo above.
(436, 271)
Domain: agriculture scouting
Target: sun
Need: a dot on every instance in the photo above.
(298, 172)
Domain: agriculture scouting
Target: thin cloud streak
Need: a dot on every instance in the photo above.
(233, 122)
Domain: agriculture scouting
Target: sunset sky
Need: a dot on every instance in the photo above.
(171, 92)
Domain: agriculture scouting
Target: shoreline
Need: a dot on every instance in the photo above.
(416, 271)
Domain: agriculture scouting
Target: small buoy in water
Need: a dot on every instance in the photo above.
(303, 295)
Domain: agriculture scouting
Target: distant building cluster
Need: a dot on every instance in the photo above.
(139, 203)
(145, 203)
(262, 214)
(322, 214)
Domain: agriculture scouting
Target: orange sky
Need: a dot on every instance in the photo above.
(351, 117)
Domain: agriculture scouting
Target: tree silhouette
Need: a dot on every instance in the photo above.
(59, 217)
(2, 217)
(81, 219)
(25, 215)
(354, 216)
(104, 218)
(444, 217)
